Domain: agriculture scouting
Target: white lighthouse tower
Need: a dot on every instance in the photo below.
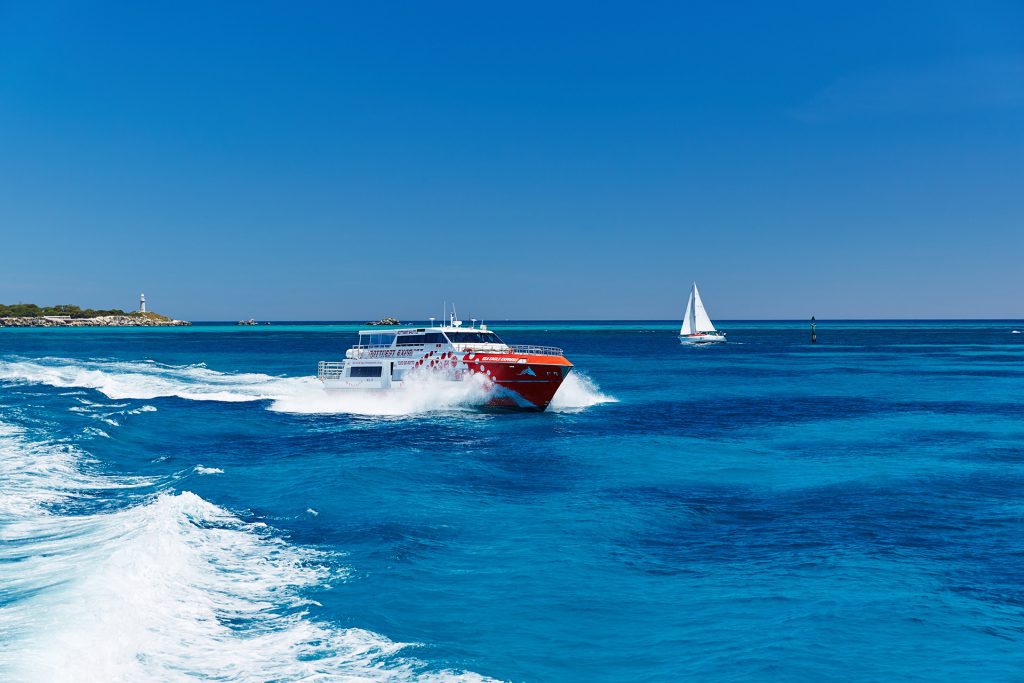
(142, 303)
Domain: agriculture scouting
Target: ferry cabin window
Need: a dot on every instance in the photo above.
(428, 338)
(376, 339)
(364, 371)
(474, 338)
(410, 339)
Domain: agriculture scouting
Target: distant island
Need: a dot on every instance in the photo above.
(67, 315)
(385, 321)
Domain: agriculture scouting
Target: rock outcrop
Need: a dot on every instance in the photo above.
(385, 321)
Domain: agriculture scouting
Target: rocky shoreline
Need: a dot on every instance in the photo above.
(100, 321)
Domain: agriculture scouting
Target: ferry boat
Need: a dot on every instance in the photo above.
(519, 377)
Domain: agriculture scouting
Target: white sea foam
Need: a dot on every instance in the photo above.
(107, 412)
(177, 589)
(423, 395)
(577, 392)
(146, 380)
(172, 589)
(33, 475)
(199, 469)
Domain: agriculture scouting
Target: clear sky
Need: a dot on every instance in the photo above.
(526, 160)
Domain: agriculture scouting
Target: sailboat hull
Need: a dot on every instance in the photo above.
(701, 338)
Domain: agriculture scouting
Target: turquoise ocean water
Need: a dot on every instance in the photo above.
(187, 504)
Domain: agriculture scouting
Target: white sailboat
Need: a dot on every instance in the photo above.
(697, 327)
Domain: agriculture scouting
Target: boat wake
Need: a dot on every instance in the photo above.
(165, 587)
(148, 380)
(577, 392)
(425, 395)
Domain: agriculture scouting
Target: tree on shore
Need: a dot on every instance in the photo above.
(70, 310)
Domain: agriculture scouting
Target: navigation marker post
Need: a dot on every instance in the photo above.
(814, 334)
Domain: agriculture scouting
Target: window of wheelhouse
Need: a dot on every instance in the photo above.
(410, 339)
(376, 339)
(424, 338)
(365, 371)
(474, 338)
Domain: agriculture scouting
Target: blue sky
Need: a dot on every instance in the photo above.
(526, 160)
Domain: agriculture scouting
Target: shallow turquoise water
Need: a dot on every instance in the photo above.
(185, 503)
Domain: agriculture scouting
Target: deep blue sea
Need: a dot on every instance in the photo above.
(187, 504)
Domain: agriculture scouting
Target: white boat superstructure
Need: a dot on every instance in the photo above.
(697, 327)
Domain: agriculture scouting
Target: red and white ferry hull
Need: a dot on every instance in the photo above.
(515, 377)
(522, 381)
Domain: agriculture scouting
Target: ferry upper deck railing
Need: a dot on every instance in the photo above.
(330, 369)
(513, 348)
(536, 350)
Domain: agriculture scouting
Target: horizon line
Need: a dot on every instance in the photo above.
(634, 320)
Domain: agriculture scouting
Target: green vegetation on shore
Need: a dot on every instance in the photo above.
(34, 311)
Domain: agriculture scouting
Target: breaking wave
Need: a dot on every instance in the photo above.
(148, 380)
(168, 587)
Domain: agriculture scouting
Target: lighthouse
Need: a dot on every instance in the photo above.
(142, 303)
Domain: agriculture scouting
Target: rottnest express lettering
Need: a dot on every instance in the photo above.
(391, 353)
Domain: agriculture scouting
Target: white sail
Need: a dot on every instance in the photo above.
(687, 327)
(702, 323)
